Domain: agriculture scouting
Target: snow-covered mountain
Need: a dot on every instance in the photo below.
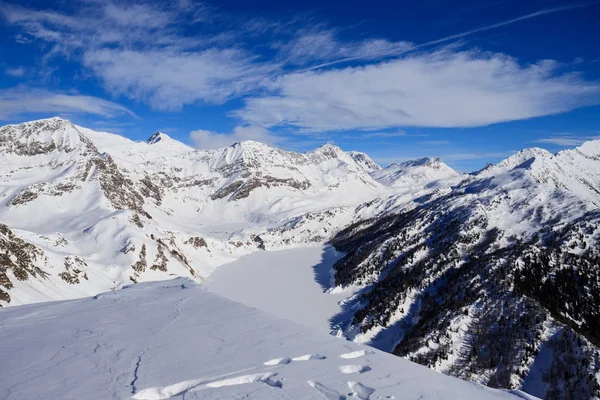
(420, 172)
(101, 210)
(491, 276)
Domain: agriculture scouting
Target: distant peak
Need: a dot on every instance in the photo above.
(329, 149)
(421, 162)
(249, 143)
(329, 146)
(51, 120)
(156, 137)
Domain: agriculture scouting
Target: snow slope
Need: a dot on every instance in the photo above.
(175, 339)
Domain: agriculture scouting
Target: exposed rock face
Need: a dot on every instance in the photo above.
(18, 259)
(74, 270)
(197, 242)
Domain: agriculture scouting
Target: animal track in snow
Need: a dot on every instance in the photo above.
(354, 369)
(325, 392)
(278, 361)
(359, 390)
(356, 354)
(307, 357)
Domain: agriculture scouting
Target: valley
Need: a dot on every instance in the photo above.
(491, 276)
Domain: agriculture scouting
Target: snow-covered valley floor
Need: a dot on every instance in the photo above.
(176, 339)
(288, 283)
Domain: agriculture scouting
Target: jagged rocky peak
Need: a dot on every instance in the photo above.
(364, 161)
(156, 137)
(488, 167)
(40, 136)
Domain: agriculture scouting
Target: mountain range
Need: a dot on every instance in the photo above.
(492, 276)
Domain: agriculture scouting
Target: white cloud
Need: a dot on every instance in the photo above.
(16, 72)
(143, 51)
(204, 139)
(16, 101)
(441, 89)
(139, 50)
(167, 79)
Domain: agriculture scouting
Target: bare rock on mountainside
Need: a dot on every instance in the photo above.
(18, 259)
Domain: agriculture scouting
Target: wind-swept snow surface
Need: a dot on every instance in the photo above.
(175, 339)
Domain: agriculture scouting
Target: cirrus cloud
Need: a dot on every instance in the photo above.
(17, 101)
(309, 80)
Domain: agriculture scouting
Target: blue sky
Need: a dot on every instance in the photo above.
(467, 81)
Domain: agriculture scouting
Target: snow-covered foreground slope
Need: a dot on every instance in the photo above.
(175, 339)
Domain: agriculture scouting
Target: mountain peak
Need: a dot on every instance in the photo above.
(328, 147)
(421, 171)
(364, 161)
(40, 136)
(423, 161)
(522, 156)
(157, 137)
(250, 144)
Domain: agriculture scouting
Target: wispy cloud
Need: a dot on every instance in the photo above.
(397, 133)
(461, 35)
(566, 140)
(17, 101)
(500, 24)
(144, 51)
